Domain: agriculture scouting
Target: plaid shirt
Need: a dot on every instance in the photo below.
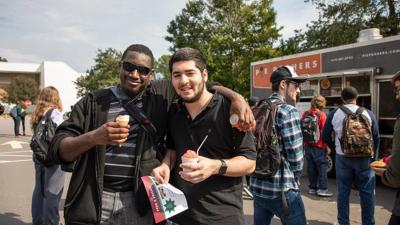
(291, 141)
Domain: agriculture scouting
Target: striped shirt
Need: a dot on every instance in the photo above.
(291, 142)
(120, 161)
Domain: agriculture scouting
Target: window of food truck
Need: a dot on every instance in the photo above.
(361, 83)
(309, 88)
(336, 86)
(388, 110)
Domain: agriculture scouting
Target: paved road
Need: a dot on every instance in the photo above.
(17, 180)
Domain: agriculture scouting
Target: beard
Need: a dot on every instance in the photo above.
(196, 97)
(289, 100)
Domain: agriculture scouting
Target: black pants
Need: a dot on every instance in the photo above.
(23, 124)
(394, 220)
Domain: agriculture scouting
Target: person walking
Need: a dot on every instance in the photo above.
(390, 176)
(49, 181)
(267, 192)
(108, 158)
(213, 185)
(22, 115)
(353, 158)
(316, 150)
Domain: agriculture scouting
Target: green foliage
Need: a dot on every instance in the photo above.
(340, 21)
(3, 59)
(103, 74)
(161, 66)
(230, 34)
(22, 88)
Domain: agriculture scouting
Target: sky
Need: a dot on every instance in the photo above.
(72, 31)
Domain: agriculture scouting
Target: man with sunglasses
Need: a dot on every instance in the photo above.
(108, 157)
(267, 192)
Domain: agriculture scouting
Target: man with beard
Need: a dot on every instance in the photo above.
(267, 191)
(213, 184)
(110, 157)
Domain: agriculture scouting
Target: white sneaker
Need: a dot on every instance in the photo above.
(324, 193)
(312, 191)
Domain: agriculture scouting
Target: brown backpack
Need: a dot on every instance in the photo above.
(269, 156)
(356, 140)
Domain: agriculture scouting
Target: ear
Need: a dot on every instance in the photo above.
(119, 66)
(204, 74)
(282, 84)
(151, 74)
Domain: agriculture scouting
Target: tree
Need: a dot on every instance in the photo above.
(340, 21)
(22, 88)
(161, 65)
(3, 59)
(230, 34)
(103, 74)
(3, 95)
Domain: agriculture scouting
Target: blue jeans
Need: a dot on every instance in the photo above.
(358, 169)
(49, 184)
(265, 209)
(17, 122)
(120, 208)
(316, 168)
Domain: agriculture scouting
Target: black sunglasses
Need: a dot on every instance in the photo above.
(130, 67)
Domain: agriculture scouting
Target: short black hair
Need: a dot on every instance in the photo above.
(349, 93)
(139, 48)
(187, 54)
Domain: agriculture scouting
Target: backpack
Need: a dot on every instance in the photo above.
(269, 156)
(42, 135)
(356, 140)
(310, 127)
(1, 109)
(14, 112)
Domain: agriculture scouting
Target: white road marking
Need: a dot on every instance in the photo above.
(13, 152)
(15, 144)
(22, 160)
(17, 155)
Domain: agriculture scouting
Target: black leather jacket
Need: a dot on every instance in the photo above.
(83, 201)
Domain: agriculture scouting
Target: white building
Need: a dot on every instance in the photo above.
(47, 73)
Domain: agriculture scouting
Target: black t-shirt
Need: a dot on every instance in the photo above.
(218, 199)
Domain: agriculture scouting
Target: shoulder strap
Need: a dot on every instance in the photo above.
(345, 110)
(135, 112)
(360, 110)
(48, 113)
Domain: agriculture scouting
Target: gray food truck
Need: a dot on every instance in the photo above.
(367, 65)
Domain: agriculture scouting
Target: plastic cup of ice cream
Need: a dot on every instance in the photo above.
(122, 120)
(234, 120)
(190, 156)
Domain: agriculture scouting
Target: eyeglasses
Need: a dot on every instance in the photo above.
(296, 85)
(130, 67)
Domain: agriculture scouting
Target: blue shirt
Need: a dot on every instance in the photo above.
(288, 127)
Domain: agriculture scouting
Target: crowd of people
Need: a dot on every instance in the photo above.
(107, 158)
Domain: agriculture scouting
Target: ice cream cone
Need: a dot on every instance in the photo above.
(122, 120)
